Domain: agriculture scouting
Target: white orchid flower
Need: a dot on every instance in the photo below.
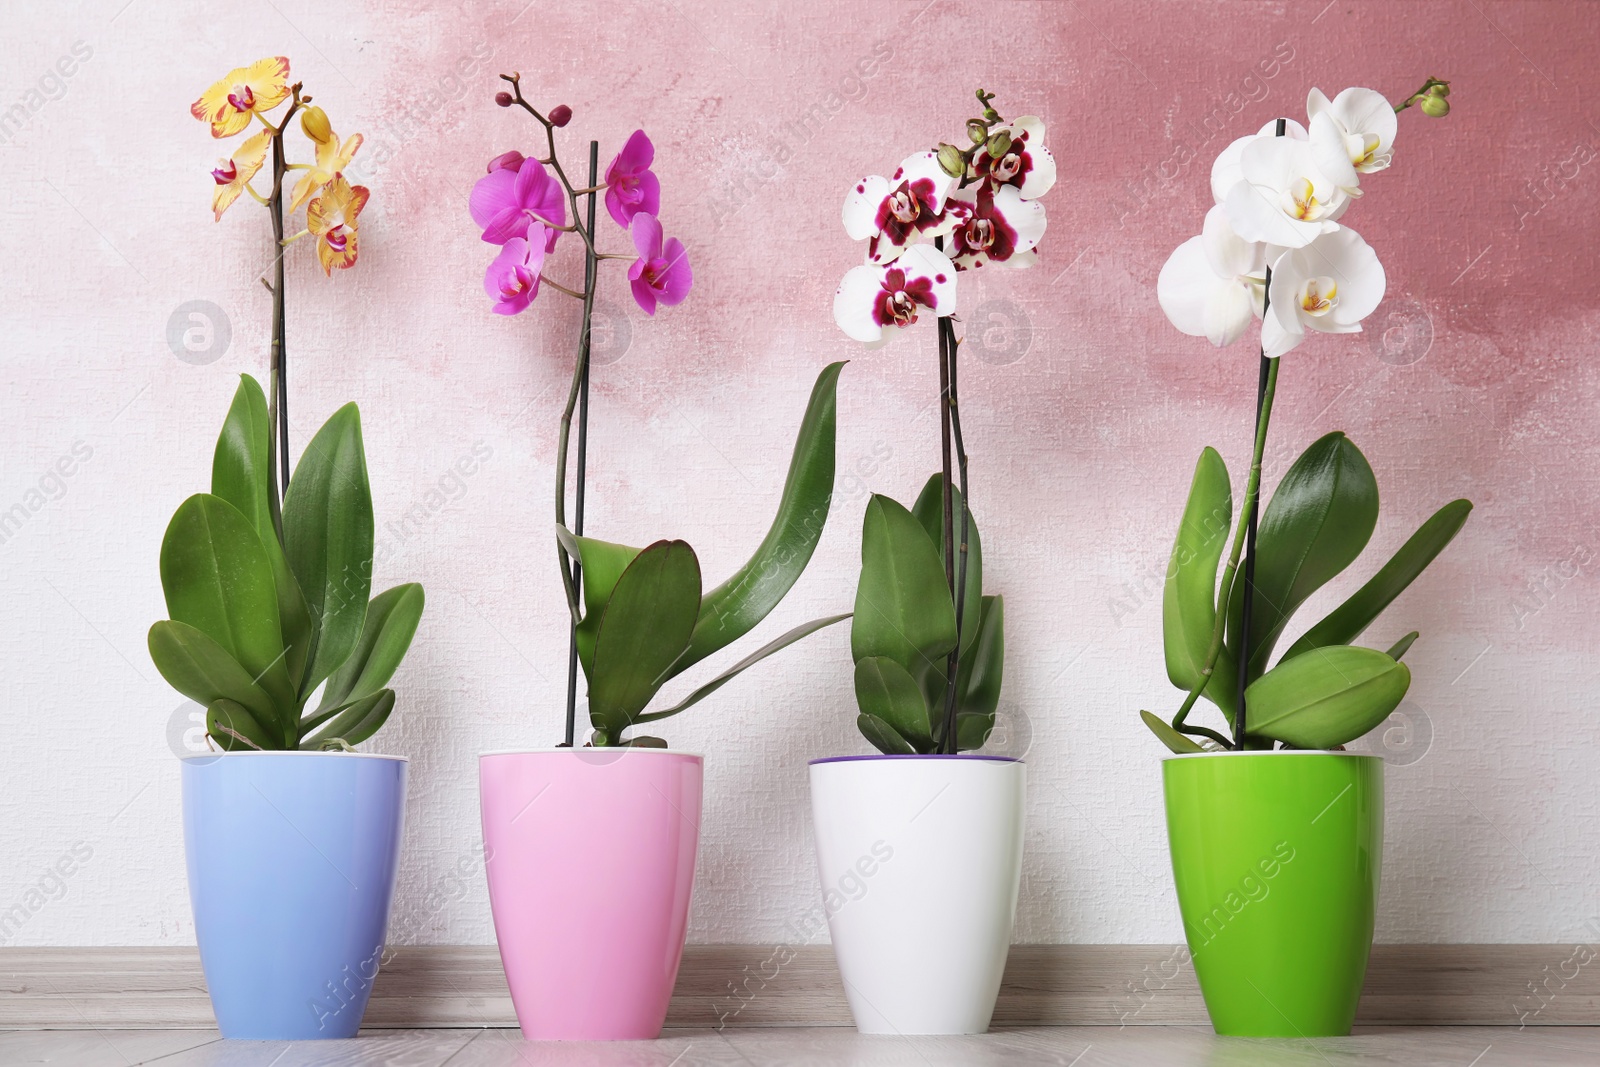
(1329, 286)
(1283, 198)
(999, 227)
(895, 213)
(1226, 171)
(1212, 285)
(875, 296)
(1352, 135)
(1026, 165)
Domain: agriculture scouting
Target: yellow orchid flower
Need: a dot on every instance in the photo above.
(233, 175)
(246, 91)
(331, 159)
(332, 217)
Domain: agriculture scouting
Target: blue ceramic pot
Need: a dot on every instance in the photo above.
(292, 859)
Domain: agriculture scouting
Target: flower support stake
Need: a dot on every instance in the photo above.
(585, 345)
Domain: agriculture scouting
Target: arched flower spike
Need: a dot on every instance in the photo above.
(1328, 286)
(246, 91)
(1352, 135)
(332, 218)
(511, 197)
(661, 274)
(1211, 286)
(875, 297)
(233, 175)
(631, 186)
(513, 278)
(1022, 162)
(895, 213)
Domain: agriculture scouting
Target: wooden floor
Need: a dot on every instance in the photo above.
(1134, 1046)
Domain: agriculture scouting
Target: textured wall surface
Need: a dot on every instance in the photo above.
(1084, 413)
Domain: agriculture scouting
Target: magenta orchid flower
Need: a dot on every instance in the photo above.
(513, 278)
(1026, 165)
(631, 186)
(661, 274)
(874, 296)
(894, 213)
(997, 227)
(515, 195)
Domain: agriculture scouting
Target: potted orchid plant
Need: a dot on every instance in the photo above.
(1276, 832)
(593, 953)
(292, 837)
(928, 643)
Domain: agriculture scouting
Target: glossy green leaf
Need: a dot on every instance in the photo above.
(886, 691)
(972, 731)
(1327, 697)
(982, 667)
(1346, 622)
(327, 531)
(603, 563)
(733, 608)
(234, 729)
(216, 577)
(240, 475)
(648, 621)
(883, 736)
(775, 645)
(1319, 520)
(1182, 744)
(1402, 646)
(903, 608)
(357, 722)
(1189, 597)
(929, 511)
(391, 622)
(205, 672)
(644, 741)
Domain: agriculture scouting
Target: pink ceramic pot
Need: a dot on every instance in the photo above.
(590, 856)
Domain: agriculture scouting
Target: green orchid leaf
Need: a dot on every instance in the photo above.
(205, 672)
(357, 722)
(240, 475)
(1319, 520)
(603, 563)
(1325, 698)
(234, 729)
(647, 624)
(386, 635)
(887, 692)
(983, 666)
(733, 608)
(929, 512)
(643, 741)
(1402, 646)
(883, 736)
(903, 608)
(775, 645)
(972, 731)
(327, 531)
(217, 579)
(1182, 744)
(1189, 597)
(1347, 622)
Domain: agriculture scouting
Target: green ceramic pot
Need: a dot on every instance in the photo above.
(1276, 857)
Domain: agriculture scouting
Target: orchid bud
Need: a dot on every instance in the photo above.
(503, 98)
(977, 131)
(951, 160)
(511, 161)
(1435, 107)
(991, 114)
(560, 115)
(999, 144)
(314, 123)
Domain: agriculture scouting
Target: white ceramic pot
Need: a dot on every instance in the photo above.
(920, 859)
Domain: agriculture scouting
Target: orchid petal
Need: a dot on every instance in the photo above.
(860, 213)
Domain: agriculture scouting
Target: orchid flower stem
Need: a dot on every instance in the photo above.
(951, 348)
(590, 265)
(629, 256)
(257, 196)
(287, 241)
(558, 287)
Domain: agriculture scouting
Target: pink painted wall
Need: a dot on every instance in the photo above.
(1084, 412)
